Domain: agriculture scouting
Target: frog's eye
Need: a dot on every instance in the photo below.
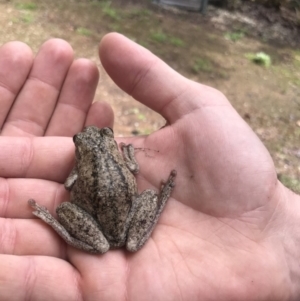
(74, 138)
(108, 132)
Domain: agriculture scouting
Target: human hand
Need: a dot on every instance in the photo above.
(229, 232)
(49, 95)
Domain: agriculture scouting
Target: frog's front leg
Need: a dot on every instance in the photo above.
(71, 179)
(75, 226)
(129, 158)
(149, 207)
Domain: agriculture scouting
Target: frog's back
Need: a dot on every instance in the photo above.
(107, 189)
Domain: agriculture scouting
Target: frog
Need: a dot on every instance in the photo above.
(105, 210)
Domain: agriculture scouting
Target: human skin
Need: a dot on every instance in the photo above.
(230, 230)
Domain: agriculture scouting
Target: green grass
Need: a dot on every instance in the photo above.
(201, 64)
(84, 31)
(297, 58)
(159, 37)
(27, 6)
(115, 27)
(110, 12)
(27, 18)
(260, 58)
(289, 73)
(290, 182)
(296, 82)
(141, 117)
(234, 36)
(176, 42)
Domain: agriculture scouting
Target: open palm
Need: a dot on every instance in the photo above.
(224, 234)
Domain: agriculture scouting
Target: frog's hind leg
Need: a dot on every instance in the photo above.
(149, 207)
(84, 234)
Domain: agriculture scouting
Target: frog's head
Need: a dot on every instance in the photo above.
(94, 140)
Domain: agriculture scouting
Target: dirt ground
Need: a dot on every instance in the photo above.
(208, 49)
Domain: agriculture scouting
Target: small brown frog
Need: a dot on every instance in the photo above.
(105, 210)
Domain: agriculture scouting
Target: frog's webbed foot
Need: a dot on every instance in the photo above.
(43, 213)
(129, 158)
(148, 208)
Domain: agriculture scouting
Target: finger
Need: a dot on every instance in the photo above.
(105, 275)
(36, 101)
(15, 193)
(48, 158)
(75, 99)
(30, 237)
(15, 62)
(148, 79)
(100, 114)
(22, 233)
(37, 278)
(50, 279)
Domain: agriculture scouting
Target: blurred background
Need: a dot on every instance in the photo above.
(249, 50)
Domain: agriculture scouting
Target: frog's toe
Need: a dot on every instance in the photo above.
(133, 244)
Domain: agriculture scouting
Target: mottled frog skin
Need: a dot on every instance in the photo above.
(105, 210)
